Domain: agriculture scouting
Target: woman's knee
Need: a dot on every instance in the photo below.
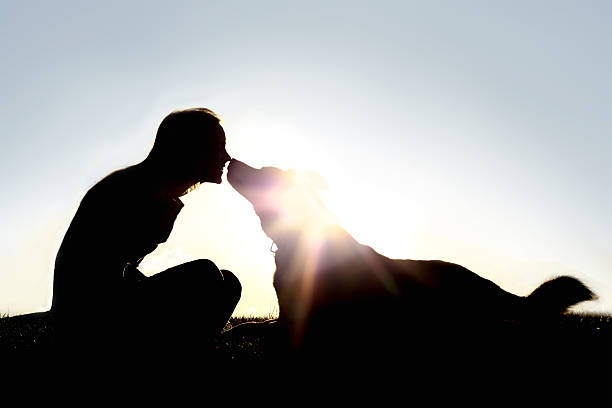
(231, 283)
(201, 277)
(199, 271)
(199, 265)
(205, 272)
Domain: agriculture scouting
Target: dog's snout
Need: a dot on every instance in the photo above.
(238, 172)
(238, 166)
(233, 165)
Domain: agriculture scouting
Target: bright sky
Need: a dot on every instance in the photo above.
(475, 132)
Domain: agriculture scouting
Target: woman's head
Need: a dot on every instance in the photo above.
(190, 146)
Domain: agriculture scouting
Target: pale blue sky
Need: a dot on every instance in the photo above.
(476, 132)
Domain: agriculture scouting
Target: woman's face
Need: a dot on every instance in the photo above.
(210, 164)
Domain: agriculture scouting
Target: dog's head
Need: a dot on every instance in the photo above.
(293, 216)
(286, 201)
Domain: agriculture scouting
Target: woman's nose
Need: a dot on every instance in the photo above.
(226, 156)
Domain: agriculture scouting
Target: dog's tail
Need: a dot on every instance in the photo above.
(558, 294)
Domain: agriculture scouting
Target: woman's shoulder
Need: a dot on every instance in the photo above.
(122, 181)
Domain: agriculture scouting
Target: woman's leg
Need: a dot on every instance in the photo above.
(186, 304)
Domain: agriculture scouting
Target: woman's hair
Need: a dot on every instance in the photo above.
(185, 138)
(182, 132)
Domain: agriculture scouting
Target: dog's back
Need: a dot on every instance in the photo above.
(340, 293)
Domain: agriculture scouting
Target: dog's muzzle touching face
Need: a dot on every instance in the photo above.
(261, 187)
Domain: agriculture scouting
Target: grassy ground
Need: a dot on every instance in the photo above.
(35, 331)
(249, 338)
(573, 357)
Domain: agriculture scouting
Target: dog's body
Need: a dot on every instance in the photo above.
(326, 280)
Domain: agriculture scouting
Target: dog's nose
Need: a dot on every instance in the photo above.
(236, 162)
(240, 167)
(233, 164)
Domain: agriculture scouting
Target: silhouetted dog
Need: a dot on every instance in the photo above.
(332, 288)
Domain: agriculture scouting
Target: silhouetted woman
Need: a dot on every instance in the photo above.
(99, 295)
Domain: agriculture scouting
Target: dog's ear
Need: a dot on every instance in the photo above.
(310, 178)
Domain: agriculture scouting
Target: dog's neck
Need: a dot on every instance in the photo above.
(298, 246)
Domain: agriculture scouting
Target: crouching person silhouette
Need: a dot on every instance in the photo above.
(101, 301)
